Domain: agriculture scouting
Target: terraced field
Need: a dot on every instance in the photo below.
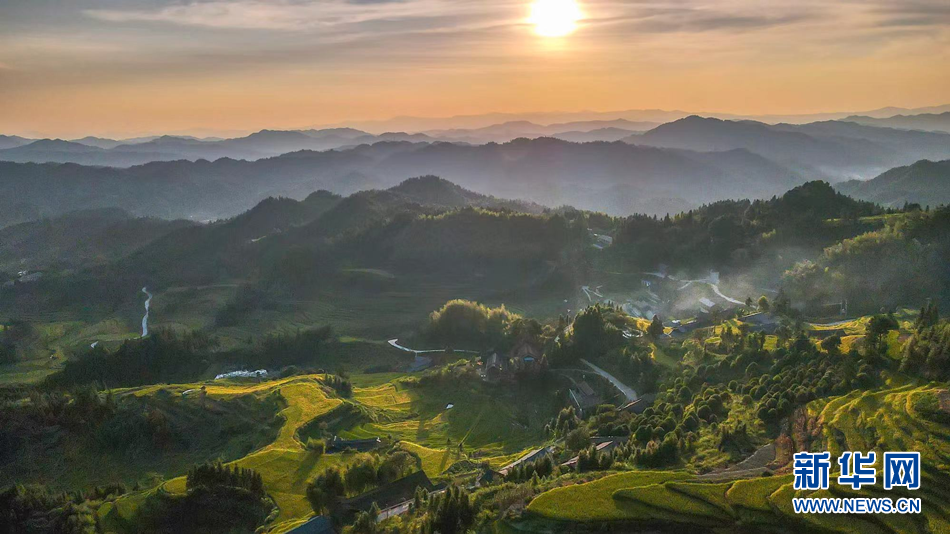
(418, 419)
(285, 464)
(896, 419)
(492, 423)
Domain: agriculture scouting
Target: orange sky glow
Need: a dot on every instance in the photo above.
(141, 67)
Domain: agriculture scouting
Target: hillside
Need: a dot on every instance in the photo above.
(925, 182)
(904, 260)
(729, 234)
(79, 239)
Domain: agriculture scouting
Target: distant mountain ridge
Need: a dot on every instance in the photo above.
(421, 124)
(614, 177)
(13, 141)
(268, 143)
(259, 145)
(930, 122)
(667, 169)
(925, 182)
(830, 149)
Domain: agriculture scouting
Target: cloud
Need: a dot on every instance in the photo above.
(688, 19)
(293, 16)
(913, 13)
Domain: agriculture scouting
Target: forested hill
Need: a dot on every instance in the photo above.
(926, 183)
(730, 233)
(280, 229)
(432, 226)
(79, 239)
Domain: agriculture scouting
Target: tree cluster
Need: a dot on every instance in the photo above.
(212, 475)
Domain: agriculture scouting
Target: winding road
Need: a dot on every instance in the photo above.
(707, 281)
(627, 391)
(148, 303)
(395, 344)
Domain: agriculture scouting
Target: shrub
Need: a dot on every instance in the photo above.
(316, 446)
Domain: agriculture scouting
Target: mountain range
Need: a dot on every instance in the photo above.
(267, 143)
(614, 177)
(422, 124)
(833, 150)
(839, 149)
(594, 165)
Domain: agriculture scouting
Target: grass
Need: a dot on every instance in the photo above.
(594, 501)
(753, 493)
(434, 461)
(661, 357)
(662, 502)
(494, 420)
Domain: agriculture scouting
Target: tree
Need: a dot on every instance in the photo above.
(782, 304)
(764, 304)
(316, 446)
(395, 466)
(877, 330)
(577, 439)
(366, 522)
(212, 475)
(449, 513)
(469, 323)
(929, 316)
(655, 329)
(325, 490)
(361, 474)
(831, 344)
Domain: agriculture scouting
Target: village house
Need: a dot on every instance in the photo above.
(526, 357)
(318, 525)
(393, 498)
(532, 456)
(602, 445)
(761, 322)
(639, 405)
(583, 396)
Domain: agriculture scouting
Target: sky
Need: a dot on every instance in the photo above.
(71, 68)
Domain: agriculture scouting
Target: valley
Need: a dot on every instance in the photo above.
(564, 369)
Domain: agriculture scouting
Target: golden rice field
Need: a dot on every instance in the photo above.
(285, 464)
(418, 420)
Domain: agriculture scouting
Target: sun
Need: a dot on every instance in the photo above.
(555, 18)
